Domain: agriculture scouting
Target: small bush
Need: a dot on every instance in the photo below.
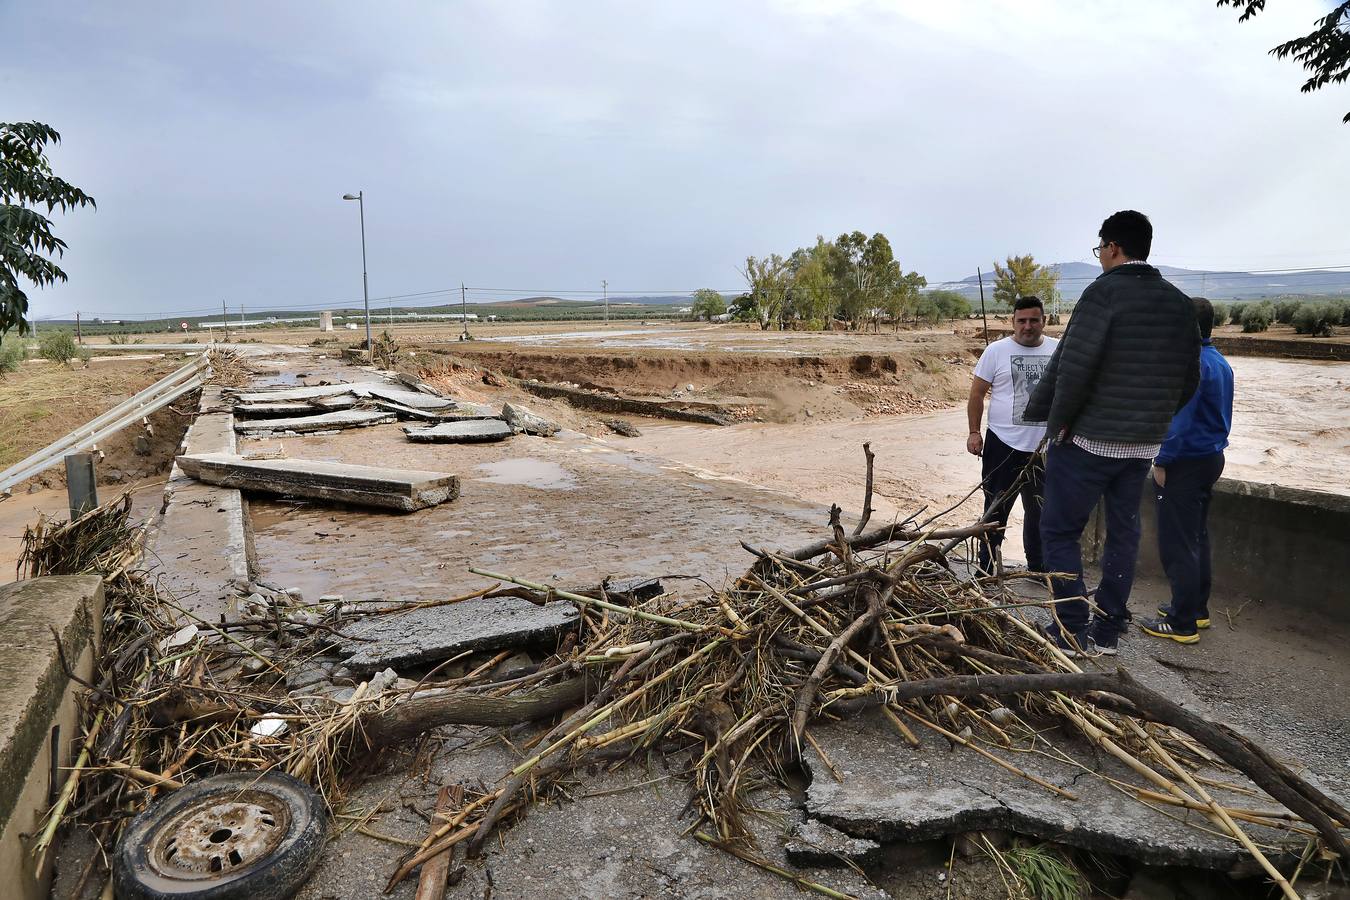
(1316, 319)
(1285, 310)
(1220, 314)
(1257, 317)
(1235, 313)
(384, 353)
(12, 353)
(119, 339)
(58, 346)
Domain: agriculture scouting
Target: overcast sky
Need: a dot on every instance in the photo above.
(548, 145)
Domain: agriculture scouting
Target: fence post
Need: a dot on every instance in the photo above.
(81, 483)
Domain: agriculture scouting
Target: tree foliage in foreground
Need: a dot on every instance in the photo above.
(27, 244)
(1324, 51)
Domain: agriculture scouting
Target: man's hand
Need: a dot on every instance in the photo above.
(1160, 476)
(975, 444)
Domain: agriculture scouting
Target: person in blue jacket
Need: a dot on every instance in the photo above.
(1184, 472)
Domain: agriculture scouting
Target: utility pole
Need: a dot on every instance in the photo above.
(242, 326)
(980, 274)
(605, 284)
(79, 338)
(225, 320)
(464, 312)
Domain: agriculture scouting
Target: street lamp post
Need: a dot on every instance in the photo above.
(360, 198)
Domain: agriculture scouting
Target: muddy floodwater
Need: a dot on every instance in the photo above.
(1291, 426)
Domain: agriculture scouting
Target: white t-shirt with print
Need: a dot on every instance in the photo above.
(1014, 371)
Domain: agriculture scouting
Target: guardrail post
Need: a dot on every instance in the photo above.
(81, 484)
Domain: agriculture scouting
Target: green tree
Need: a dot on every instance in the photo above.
(865, 274)
(1324, 51)
(769, 280)
(949, 304)
(1023, 277)
(708, 304)
(813, 290)
(26, 240)
(904, 296)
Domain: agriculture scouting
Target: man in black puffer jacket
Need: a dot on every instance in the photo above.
(1128, 362)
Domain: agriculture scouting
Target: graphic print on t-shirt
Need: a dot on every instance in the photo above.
(1026, 374)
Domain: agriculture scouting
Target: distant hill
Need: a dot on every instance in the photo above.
(1075, 276)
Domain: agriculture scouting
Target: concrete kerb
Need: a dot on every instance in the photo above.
(202, 541)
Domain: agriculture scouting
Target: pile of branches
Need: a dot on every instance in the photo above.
(228, 369)
(736, 679)
(881, 621)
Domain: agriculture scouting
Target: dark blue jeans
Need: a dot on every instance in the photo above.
(1074, 481)
(1183, 535)
(1000, 468)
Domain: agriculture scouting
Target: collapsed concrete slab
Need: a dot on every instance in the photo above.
(472, 431)
(404, 490)
(426, 636)
(332, 421)
(308, 392)
(414, 399)
(893, 792)
(410, 412)
(295, 407)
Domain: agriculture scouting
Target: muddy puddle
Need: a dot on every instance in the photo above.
(528, 472)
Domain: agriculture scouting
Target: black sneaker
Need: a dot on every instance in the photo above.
(1105, 644)
(1078, 646)
(1201, 621)
(1164, 629)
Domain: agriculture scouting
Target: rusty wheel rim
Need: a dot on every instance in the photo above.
(220, 836)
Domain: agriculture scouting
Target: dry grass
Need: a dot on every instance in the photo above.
(42, 401)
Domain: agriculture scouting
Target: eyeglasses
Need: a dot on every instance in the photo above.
(1097, 250)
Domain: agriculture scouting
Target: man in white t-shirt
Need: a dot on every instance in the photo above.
(1009, 371)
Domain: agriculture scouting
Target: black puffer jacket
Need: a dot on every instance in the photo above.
(1129, 360)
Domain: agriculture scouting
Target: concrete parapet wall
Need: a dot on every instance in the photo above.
(1272, 543)
(1292, 348)
(39, 719)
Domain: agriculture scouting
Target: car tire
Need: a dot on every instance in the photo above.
(241, 836)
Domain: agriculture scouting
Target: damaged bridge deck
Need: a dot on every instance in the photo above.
(571, 510)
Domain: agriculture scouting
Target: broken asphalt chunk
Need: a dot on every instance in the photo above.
(473, 431)
(426, 636)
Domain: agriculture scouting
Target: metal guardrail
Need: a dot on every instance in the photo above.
(158, 395)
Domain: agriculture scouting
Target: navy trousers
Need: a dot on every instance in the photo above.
(1183, 535)
(1074, 481)
(1000, 468)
